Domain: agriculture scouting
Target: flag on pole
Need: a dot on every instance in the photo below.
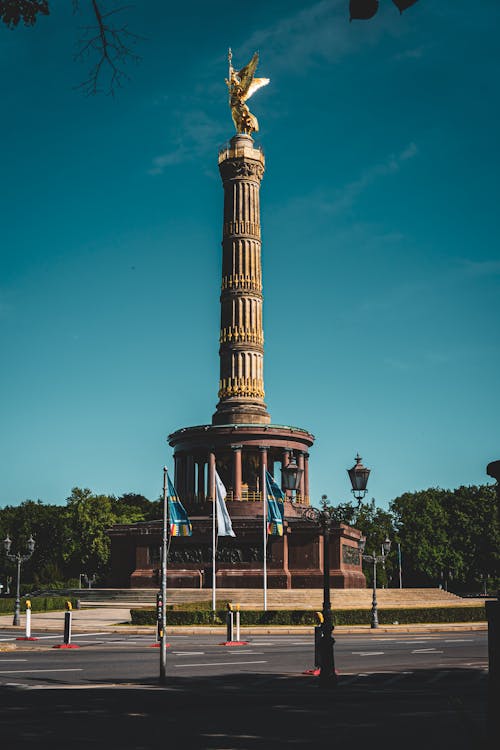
(224, 525)
(180, 524)
(275, 507)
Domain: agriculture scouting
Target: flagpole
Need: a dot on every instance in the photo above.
(264, 529)
(214, 543)
(163, 586)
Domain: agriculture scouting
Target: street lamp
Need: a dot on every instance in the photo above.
(291, 475)
(19, 559)
(359, 478)
(324, 518)
(375, 560)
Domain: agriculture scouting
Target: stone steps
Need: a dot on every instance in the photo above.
(278, 598)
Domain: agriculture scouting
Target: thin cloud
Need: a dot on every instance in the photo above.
(314, 35)
(410, 54)
(480, 267)
(346, 196)
(198, 132)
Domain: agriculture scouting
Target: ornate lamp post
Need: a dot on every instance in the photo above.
(324, 518)
(19, 559)
(291, 476)
(375, 560)
(359, 478)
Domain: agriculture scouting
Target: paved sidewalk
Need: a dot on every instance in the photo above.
(110, 619)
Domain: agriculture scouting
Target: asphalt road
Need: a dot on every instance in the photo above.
(102, 658)
(394, 691)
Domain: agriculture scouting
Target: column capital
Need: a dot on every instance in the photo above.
(237, 447)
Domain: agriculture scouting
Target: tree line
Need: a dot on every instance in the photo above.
(446, 537)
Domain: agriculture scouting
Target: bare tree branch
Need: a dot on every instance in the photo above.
(112, 45)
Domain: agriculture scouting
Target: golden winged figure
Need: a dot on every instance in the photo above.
(241, 85)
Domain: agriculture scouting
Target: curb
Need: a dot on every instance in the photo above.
(278, 630)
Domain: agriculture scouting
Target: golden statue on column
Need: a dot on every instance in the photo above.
(242, 84)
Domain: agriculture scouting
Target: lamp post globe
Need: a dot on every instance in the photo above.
(359, 478)
(291, 475)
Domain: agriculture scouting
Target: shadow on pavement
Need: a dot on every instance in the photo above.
(252, 711)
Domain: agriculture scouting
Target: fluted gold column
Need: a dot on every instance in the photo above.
(241, 386)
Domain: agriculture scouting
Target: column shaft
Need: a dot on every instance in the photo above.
(211, 476)
(237, 472)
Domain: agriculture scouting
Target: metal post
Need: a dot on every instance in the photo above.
(238, 622)
(493, 617)
(17, 608)
(67, 625)
(214, 544)
(374, 623)
(163, 590)
(229, 625)
(327, 674)
(400, 567)
(28, 621)
(264, 525)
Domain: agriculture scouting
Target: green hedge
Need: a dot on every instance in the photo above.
(38, 604)
(308, 617)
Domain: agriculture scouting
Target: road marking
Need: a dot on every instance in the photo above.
(367, 653)
(25, 671)
(240, 651)
(302, 643)
(219, 664)
(189, 653)
(406, 642)
(9, 661)
(460, 640)
(426, 651)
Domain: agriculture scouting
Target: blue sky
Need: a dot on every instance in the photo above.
(380, 242)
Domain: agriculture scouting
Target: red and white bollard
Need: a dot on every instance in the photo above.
(230, 621)
(67, 629)
(27, 635)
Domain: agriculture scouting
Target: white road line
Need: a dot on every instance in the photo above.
(302, 643)
(9, 661)
(367, 653)
(240, 651)
(460, 640)
(407, 642)
(188, 653)
(26, 671)
(219, 664)
(263, 643)
(426, 651)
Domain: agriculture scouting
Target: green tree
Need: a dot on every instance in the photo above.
(47, 525)
(448, 536)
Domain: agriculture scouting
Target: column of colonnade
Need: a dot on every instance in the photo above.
(195, 476)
